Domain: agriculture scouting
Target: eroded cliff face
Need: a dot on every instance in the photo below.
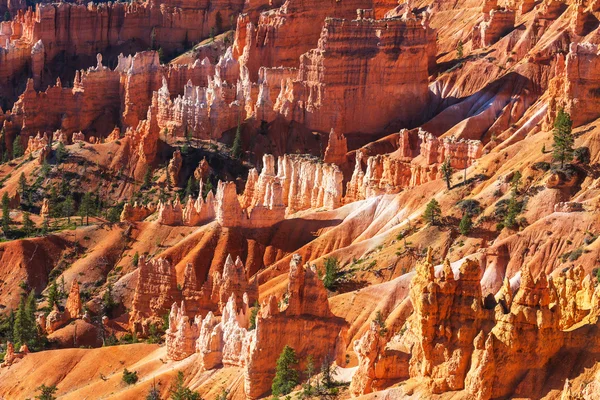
(35, 38)
(458, 340)
(338, 81)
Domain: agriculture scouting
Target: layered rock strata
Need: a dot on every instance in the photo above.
(340, 79)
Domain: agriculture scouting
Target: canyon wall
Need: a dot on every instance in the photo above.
(364, 73)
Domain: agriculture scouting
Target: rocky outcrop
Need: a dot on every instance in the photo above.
(336, 150)
(390, 173)
(181, 335)
(284, 33)
(233, 282)
(136, 212)
(11, 357)
(574, 88)
(174, 168)
(155, 292)
(229, 342)
(496, 23)
(308, 183)
(73, 306)
(372, 59)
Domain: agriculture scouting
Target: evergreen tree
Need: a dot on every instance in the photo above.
(60, 152)
(309, 372)
(28, 226)
(459, 49)
(286, 377)
(153, 394)
(380, 321)
(108, 302)
(17, 147)
(208, 187)
(30, 312)
(236, 149)
(44, 230)
(68, 208)
(46, 392)
(447, 172)
(5, 213)
(466, 224)
(563, 138)
(53, 202)
(327, 372)
(52, 295)
(7, 16)
(86, 207)
(20, 326)
(515, 182)
(178, 390)
(147, 179)
(332, 269)
(433, 212)
(24, 329)
(253, 315)
(23, 184)
(189, 189)
(513, 209)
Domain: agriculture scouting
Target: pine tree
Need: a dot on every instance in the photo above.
(563, 138)
(44, 230)
(86, 207)
(433, 212)
(31, 324)
(147, 179)
(332, 268)
(189, 189)
(23, 184)
(24, 329)
(20, 325)
(513, 209)
(52, 295)
(236, 148)
(46, 392)
(153, 394)
(447, 172)
(309, 372)
(208, 187)
(515, 182)
(5, 213)
(459, 49)
(286, 377)
(17, 147)
(68, 208)
(327, 372)
(179, 392)
(28, 225)
(465, 224)
(60, 152)
(380, 321)
(108, 303)
(253, 315)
